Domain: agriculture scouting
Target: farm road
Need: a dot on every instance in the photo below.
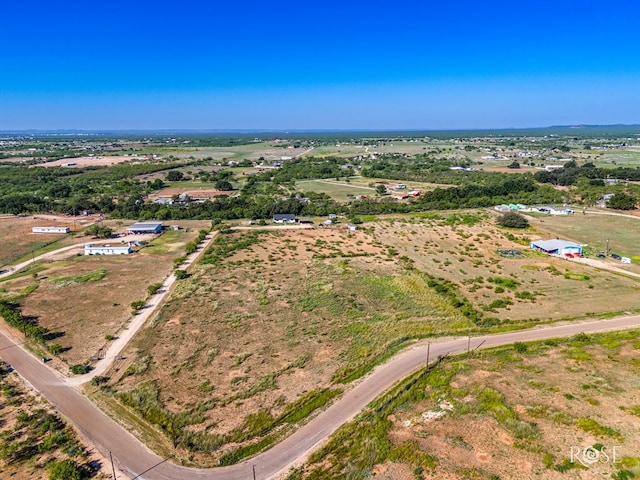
(16, 268)
(133, 458)
(151, 308)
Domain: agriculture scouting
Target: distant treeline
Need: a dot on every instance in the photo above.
(116, 191)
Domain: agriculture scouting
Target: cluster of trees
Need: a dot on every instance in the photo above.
(571, 173)
(69, 191)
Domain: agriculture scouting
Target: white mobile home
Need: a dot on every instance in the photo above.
(107, 249)
(50, 230)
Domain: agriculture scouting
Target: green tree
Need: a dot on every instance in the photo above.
(174, 176)
(622, 201)
(97, 230)
(224, 185)
(65, 469)
(381, 189)
(513, 220)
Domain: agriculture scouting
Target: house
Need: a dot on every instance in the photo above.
(400, 195)
(557, 247)
(502, 208)
(333, 216)
(50, 230)
(400, 186)
(353, 227)
(145, 227)
(305, 220)
(284, 218)
(107, 249)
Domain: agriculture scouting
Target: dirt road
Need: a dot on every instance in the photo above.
(135, 460)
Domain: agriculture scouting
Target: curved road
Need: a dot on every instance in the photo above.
(135, 460)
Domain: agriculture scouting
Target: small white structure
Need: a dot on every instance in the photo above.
(107, 249)
(353, 227)
(50, 230)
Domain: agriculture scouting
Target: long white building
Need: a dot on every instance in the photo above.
(107, 249)
(50, 230)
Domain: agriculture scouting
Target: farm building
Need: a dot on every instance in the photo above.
(50, 230)
(557, 247)
(145, 227)
(284, 218)
(107, 249)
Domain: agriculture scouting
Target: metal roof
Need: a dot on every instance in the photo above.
(144, 225)
(552, 245)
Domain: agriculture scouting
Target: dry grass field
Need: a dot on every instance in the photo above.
(278, 317)
(463, 249)
(275, 322)
(84, 299)
(16, 239)
(518, 412)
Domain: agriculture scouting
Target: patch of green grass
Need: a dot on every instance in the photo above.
(93, 276)
(591, 426)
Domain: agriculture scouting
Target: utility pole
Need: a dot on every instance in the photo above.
(113, 468)
(469, 343)
(254, 472)
(428, 347)
(606, 252)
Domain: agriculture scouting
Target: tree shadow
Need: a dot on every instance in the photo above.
(53, 335)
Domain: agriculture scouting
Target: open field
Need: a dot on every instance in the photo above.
(344, 191)
(511, 413)
(92, 161)
(462, 248)
(340, 191)
(277, 317)
(271, 151)
(16, 239)
(274, 317)
(33, 437)
(83, 300)
(623, 232)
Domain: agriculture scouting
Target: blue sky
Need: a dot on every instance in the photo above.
(318, 65)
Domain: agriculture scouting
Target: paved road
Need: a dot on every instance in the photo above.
(136, 461)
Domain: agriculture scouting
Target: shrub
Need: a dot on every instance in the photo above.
(137, 305)
(181, 274)
(153, 289)
(80, 369)
(65, 469)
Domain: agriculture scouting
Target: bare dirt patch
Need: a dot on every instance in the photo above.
(80, 162)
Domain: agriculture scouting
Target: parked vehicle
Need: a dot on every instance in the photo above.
(616, 256)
